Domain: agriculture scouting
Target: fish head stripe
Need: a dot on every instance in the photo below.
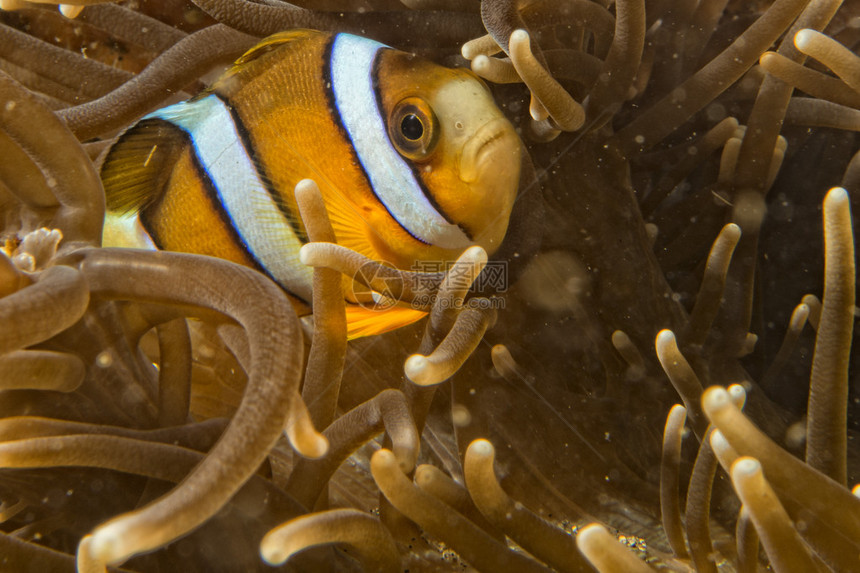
(391, 177)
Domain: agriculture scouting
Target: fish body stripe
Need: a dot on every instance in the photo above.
(391, 178)
(261, 226)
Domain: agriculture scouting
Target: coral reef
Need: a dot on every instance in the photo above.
(685, 237)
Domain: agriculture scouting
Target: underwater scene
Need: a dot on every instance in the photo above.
(429, 285)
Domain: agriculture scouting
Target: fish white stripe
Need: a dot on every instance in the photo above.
(393, 182)
(263, 229)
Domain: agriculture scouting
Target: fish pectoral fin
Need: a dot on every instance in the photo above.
(138, 166)
(362, 321)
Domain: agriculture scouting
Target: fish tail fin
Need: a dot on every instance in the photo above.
(137, 167)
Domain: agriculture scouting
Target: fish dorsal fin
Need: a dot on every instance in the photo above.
(138, 166)
(270, 44)
(361, 321)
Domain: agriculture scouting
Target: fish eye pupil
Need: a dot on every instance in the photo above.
(411, 127)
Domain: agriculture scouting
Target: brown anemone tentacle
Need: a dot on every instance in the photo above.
(593, 16)
(501, 18)
(698, 508)
(747, 542)
(693, 156)
(635, 363)
(622, 62)
(784, 546)
(605, 552)
(827, 440)
(386, 411)
(670, 467)
(809, 80)
(814, 305)
(396, 27)
(363, 534)
(256, 304)
(661, 119)
(811, 112)
(36, 313)
(189, 58)
(20, 555)
(41, 370)
(174, 372)
(328, 348)
(59, 65)
(133, 27)
(830, 510)
(441, 486)
(683, 378)
(406, 286)
(798, 320)
(443, 522)
(69, 176)
(545, 541)
(199, 436)
(709, 298)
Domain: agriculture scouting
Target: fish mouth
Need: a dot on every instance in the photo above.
(479, 145)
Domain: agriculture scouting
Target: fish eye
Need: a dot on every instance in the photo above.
(413, 128)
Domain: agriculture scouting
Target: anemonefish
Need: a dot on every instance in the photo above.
(414, 162)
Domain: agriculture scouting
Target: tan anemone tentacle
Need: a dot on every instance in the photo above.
(174, 372)
(40, 370)
(496, 70)
(683, 378)
(452, 352)
(567, 113)
(191, 57)
(698, 508)
(635, 363)
(827, 440)
(443, 522)
(670, 462)
(56, 301)
(406, 286)
(830, 510)
(69, 176)
(387, 411)
(256, 304)
(810, 81)
(814, 305)
(481, 46)
(661, 119)
(605, 553)
(548, 543)
(844, 62)
(363, 534)
(784, 547)
(328, 348)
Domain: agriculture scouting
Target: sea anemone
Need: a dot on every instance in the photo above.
(163, 411)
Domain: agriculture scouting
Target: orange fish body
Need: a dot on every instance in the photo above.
(414, 162)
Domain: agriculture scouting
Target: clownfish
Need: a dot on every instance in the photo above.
(414, 162)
